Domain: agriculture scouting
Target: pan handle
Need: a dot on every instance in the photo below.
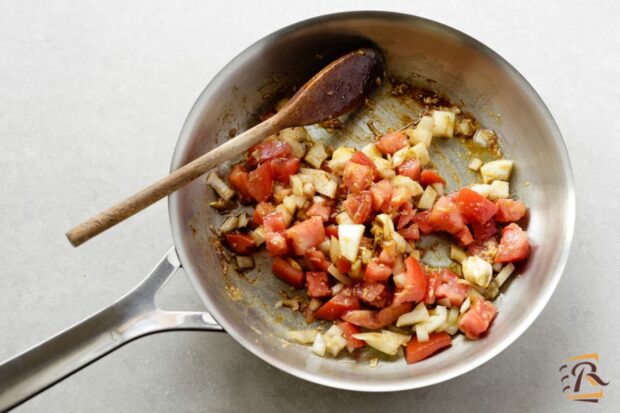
(133, 316)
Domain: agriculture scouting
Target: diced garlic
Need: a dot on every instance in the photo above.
(496, 170)
(503, 275)
(483, 189)
(457, 254)
(443, 124)
(319, 347)
(499, 190)
(340, 157)
(474, 164)
(386, 341)
(483, 137)
(371, 151)
(316, 155)
(418, 314)
(350, 237)
(477, 271)
(420, 152)
(302, 336)
(427, 200)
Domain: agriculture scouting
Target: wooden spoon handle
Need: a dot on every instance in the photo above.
(160, 189)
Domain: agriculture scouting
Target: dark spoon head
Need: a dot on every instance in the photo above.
(339, 88)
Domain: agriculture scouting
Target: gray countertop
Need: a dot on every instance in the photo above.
(92, 97)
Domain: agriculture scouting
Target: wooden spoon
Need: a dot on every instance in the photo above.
(337, 89)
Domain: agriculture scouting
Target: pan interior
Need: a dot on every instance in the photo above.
(423, 53)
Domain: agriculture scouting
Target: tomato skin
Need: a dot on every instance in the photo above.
(283, 168)
(414, 285)
(475, 322)
(391, 142)
(265, 151)
(316, 260)
(348, 330)
(513, 246)
(429, 177)
(307, 234)
(484, 231)
(417, 350)
(473, 206)
(357, 177)
(240, 182)
(509, 210)
(358, 206)
(376, 271)
(320, 209)
(287, 273)
(340, 304)
(445, 216)
(374, 294)
(261, 210)
(421, 220)
(410, 168)
(381, 195)
(411, 233)
(260, 183)
(240, 243)
(375, 320)
(362, 159)
(317, 284)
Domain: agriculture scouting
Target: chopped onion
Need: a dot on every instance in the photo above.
(324, 246)
(242, 220)
(497, 266)
(294, 138)
(324, 183)
(258, 235)
(336, 288)
(316, 155)
(401, 243)
(483, 189)
(297, 185)
(386, 341)
(221, 187)
(421, 334)
(384, 167)
(438, 317)
(356, 269)
(477, 271)
(465, 306)
(286, 214)
(503, 275)
(443, 124)
(334, 340)
(371, 151)
(483, 137)
(416, 254)
(418, 314)
(315, 304)
(338, 275)
(244, 262)
(420, 152)
(427, 200)
(319, 347)
(344, 219)
(465, 127)
(365, 254)
(334, 249)
(457, 254)
(499, 190)
(350, 237)
(400, 156)
(422, 133)
(229, 224)
(474, 164)
(340, 157)
(302, 336)
(496, 170)
(438, 187)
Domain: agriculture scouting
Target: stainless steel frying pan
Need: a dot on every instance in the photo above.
(418, 50)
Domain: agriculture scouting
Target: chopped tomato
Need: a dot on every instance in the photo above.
(316, 260)
(484, 249)
(260, 183)
(320, 209)
(306, 234)
(287, 273)
(473, 206)
(317, 284)
(274, 222)
(276, 244)
(406, 215)
(362, 159)
(410, 168)
(262, 209)
(413, 286)
(343, 265)
(358, 206)
(513, 246)
(381, 195)
(387, 256)
(451, 289)
(421, 220)
(357, 177)
(509, 210)
(240, 243)
(283, 168)
(265, 151)
(445, 216)
(376, 271)
(411, 233)
(484, 231)
(374, 294)
(375, 320)
(331, 231)
(391, 142)
(348, 331)
(419, 350)
(429, 177)
(434, 281)
(477, 319)
(340, 304)
(239, 180)
(464, 236)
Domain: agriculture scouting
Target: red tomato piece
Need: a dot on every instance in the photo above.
(445, 216)
(316, 260)
(391, 142)
(513, 246)
(376, 271)
(362, 159)
(317, 284)
(306, 234)
(406, 215)
(265, 151)
(473, 206)
(240, 182)
(477, 319)
(343, 265)
(260, 183)
(276, 244)
(358, 206)
(413, 285)
(357, 177)
(375, 320)
(287, 273)
(429, 177)
(451, 289)
(419, 350)
(274, 222)
(320, 209)
(348, 331)
(464, 236)
(387, 256)
(434, 281)
(421, 220)
(509, 210)
(410, 168)
(484, 249)
(331, 231)
(484, 231)
(283, 168)
(260, 210)
(374, 294)
(381, 195)
(340, 304)
(240, 243)
(411, 233)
